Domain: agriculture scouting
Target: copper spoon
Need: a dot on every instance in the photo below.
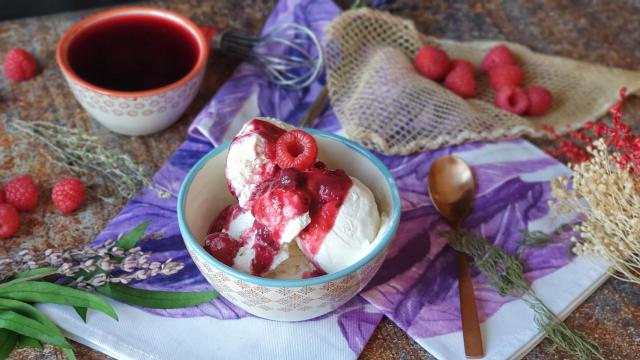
(452, 190)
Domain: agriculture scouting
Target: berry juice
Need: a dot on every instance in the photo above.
(133, 52)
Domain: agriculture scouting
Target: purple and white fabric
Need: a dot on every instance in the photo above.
(416, 286)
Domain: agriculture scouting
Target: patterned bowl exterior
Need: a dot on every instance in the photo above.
(137, 115)
(289, 303)
(276, 299)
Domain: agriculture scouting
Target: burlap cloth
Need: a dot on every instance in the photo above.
(384, 104)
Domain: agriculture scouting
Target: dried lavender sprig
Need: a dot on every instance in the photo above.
(168, 267)
(542, 239)
(84, 155)
(91, 266)
(506, 274)
(68, 261)
(572, 342)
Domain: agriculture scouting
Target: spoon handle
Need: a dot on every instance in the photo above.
(473, 348)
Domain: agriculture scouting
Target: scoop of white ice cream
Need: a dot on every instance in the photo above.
(353, 231)
(251, 156)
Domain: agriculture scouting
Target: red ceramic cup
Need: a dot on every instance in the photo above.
(134, 69)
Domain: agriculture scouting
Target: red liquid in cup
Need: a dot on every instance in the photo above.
(133, 53)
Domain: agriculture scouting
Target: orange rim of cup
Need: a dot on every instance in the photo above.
(62, 53)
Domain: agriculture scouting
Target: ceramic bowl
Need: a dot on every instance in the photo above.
(204, 193)
(134, 112)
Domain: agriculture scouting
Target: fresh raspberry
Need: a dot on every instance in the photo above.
(465, 65)
(540, 100)
(9, 221)
(221, 246)
(21, 192)
(512, 99)
(461, 79)
(3, 197)
(19, 65)
(506, 75)
(432, 62)
(296, 149)
(498, 56)
(68, 195)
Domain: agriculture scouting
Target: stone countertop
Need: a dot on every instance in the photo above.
(595, 31)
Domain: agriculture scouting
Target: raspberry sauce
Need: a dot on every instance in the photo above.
(276, 207)
(276, 202)
(266, 247)
(224, 218)
(289, 194)
(222, 247)
(328, 188)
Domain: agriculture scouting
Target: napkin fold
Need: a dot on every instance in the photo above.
(416, 286)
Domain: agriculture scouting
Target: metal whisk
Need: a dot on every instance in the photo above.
(290, 54)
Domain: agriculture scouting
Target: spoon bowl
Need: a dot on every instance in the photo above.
(451, 188)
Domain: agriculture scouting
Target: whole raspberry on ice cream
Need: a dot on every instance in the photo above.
(296, 149)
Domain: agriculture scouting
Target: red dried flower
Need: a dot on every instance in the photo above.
(618, 137)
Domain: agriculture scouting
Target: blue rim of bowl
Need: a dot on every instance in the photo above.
(191, 241)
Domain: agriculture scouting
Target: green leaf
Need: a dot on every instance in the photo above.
(27, 276)
(27, 342)
(70, 354)
(155, 299)
(32, 312)
(46, 271)
(130, 239)
(8, 340)
(22, 325)
(44, 292)
(82, 312)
